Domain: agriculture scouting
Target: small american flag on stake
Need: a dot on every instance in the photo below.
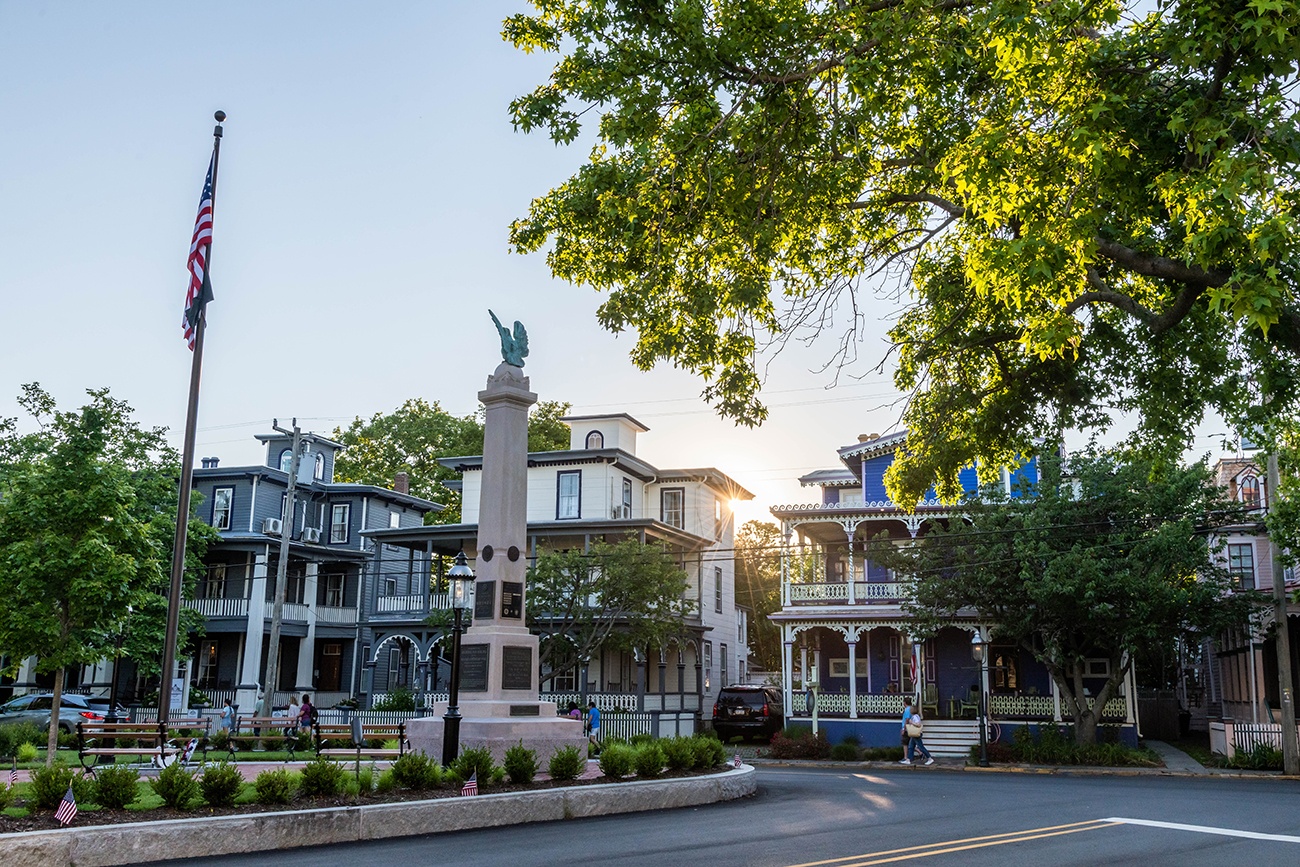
(471, 785)
(736, 761)
(199, 292)
(67, 809)
(13, 772)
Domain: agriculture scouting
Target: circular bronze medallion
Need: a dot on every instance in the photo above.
(486, 553)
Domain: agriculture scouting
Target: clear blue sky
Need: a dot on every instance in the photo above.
(369, 173)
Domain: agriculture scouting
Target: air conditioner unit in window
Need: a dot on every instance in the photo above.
(311, 536)
(272, 526)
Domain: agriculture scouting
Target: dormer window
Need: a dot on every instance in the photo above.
(286, 460)
(318, 471)
(1250, 491)
(595, 440)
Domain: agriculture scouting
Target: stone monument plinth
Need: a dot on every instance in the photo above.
(499, 702)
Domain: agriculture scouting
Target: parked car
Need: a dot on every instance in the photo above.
(748, 711)
(73, 708)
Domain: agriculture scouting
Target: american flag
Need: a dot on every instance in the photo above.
(736, 762)
(67, 809)
(13, 773)
(471, 785)
(199, 292)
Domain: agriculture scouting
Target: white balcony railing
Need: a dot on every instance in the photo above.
(219, 607)
(837, 592)
(292, 611)
(336, 616)
(400, 604)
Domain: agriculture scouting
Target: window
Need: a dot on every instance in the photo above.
(1241, 565)
(221, 500)
(286, 460)
(722, 673)
(717, 589)
(214, 586)
(390, 586)
(339, 517)
(568, 494)
(627, 498)
(595, 440)
(1250, 491)
(1004, 669)
(207, 665)
(318, 471)
(334, 591)
(394, 519)
(717, 519)
(672, 507)
(708, 662)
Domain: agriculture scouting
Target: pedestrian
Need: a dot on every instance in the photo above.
(574, 713)
(292, 714)
(593, 725)
(227, 716)
(307, 713)
(259, 711)
(913, 727)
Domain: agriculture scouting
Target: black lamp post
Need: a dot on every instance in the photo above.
(461, 584)
(979, 649)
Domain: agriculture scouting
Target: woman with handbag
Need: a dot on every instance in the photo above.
(913, 727)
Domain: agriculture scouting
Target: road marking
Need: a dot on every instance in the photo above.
(949, 846)
(1206, 829)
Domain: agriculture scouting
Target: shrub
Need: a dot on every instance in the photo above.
(220, 784)
(566, 764)
(399, 699)
(882, 754)
(648, 760)
(68, 741)
(274, 786)
(416, 771)
(321, 778)
(845, 752)
(220, 741)
(49, 784)
(521, 763)
(116, 786)
(28, 753)
(709, 752)
(7, 793)
(1261, 758)
(176, 786)
(679, 755)
(616, 760)
(365, 780)
(474, 761)
(14, 736)
(386, 782)
(799, 743)
(641, 738)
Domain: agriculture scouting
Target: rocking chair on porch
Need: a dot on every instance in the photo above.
(930, 701)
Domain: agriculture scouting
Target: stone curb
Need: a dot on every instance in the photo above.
(142, 842)
(1050, 770)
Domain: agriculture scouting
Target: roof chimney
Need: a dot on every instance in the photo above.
(213, 462)
(866, 438)
(402, 483)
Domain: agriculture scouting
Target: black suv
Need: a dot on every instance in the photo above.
(748, 711)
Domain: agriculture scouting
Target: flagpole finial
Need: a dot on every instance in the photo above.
(220, 116)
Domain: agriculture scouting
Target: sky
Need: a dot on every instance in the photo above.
(369, 174)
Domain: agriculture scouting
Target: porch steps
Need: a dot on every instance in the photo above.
(951, 737)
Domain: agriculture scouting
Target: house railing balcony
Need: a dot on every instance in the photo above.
(837, 593)
(1001, 707)
(293, 611)
(336, 616)
(219, 606)
(420, 604)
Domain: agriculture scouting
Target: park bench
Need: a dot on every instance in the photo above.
(257, 728)
(148, 742)
(353, 740)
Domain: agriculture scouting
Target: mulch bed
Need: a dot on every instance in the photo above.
(45, 821)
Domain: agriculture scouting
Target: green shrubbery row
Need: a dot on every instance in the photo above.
(1054, 745)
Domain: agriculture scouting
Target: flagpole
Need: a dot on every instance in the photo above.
(171, 638)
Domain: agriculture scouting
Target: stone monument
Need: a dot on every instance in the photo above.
(499, 702)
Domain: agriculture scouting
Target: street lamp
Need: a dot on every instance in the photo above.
(979, 649)
(461, 584)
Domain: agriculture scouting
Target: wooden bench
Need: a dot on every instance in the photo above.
(152, 741)
(341, 733)
(255, 728)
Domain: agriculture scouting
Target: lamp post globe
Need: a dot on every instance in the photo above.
(979, 650)
(460, 580)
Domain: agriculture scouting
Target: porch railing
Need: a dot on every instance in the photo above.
(1000, 706)
(219, 607)
(336, 616)
(824, 592)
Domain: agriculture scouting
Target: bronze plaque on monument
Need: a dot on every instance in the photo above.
(512, 599)
(485, 594)
(516, 668)
(474, 667)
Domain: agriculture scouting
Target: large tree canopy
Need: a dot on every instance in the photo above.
(758, 588)
(413, 437)
(1107, 558)
(1092, 210)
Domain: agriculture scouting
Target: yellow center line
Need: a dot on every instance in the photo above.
(960, 845)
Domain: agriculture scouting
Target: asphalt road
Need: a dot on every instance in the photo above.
(837, 818)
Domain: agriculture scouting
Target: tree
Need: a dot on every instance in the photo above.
(87, 510)
(1108, 558)
(620, 594)
(758, 588)
(413, 437)
(1090, 208)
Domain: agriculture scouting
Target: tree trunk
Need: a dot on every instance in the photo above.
(52, 742)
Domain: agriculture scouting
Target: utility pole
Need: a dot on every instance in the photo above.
(282, 568)
(1290, 747)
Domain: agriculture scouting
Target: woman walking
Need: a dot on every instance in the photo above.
(913, 727)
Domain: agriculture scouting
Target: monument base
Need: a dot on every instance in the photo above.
(498, 726)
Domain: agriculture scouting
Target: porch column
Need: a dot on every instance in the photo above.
(250, 670)
(1130, 696)
(853, 680)
(785, 566)
(663, 678)
(307, 649)
(640, 679)
(850, 530)
(1056, 701)
(681, 677)
(699, 682)
(787, 673)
